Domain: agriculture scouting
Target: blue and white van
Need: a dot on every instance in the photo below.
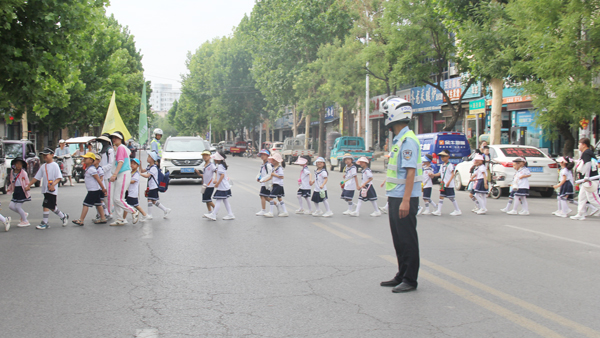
(456, 144)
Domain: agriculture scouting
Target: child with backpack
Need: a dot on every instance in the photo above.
(304, 190)
(152, 173)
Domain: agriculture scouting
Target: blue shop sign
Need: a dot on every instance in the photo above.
(425, 99)
(329, 113)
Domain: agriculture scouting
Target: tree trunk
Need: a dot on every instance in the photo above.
(455, 117)
(295, 123)
(496, 118)
(24, 127)
(307, 131)
(565, 130)
(268, 131)
(322, 143)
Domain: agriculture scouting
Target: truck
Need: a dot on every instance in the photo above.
(293, 147)
(238, 149)
(348, 144)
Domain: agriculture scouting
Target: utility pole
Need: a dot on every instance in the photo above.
(367, 99)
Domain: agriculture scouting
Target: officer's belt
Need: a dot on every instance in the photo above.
(394, 167)
(402, 180)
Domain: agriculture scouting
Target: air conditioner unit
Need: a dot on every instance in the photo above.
(452, 71)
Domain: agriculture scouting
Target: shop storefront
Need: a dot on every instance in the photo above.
(426, 102)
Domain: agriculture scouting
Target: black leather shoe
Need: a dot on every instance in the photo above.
(393, 282)
(404, 287)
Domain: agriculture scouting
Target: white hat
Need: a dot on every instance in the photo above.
(363, 159)
(61, 141)
(301, 161)
(561, 159)
(348, 155)
(154, 155)
(319, 159)
(276, 157)
(478, 157)
(217, 156)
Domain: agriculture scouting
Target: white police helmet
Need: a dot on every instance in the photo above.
(395, 109)
(157, 131)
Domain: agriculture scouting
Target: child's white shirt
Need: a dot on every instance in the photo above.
(366, 174)
(90, 182)
(208, 175)
(349, 178)
(480, 172)
(568, 174)
(265, 170)
(522, 183)
(446, 171)
(53, 174)
(278, 172)
(427, 181)
(224, 185)
(134, 186)
(305, 178)
(320, 177)
(153, 179)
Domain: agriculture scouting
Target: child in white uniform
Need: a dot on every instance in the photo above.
(427, 184)
(350, 182)
(566, 185)
(366, 190)
(265, 187)
(223, 188)
(151, 173)
(446, 175)
(320, 192)
(133, 192)
(304, 192)
(18, 180)
(49, 174)
(277, 192)
(208, 180)
(95, 188)
(480, 185)
(520, 188)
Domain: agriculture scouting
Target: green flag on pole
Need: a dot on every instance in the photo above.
(143, 128)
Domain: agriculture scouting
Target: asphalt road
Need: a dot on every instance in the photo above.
(481, 276)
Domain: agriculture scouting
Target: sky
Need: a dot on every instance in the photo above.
(165, 30)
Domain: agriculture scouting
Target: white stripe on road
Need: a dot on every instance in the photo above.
(146, 333)
(553, 236)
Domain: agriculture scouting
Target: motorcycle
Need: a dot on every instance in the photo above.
(61, 164)
(78, 171)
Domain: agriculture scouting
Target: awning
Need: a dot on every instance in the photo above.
(331, 120)
(81, 139)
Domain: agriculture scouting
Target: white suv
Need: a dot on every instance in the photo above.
(182, 156)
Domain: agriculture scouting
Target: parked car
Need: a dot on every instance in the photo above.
(19, 148)
(182, 156)
(544, 170)
(238, 149)
(226, 146)
(454, 143)
(213, 148)
(348, 144)
(293, 147)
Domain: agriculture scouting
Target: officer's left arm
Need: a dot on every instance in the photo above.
(409, 153)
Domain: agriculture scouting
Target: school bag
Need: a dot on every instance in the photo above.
(163, 180)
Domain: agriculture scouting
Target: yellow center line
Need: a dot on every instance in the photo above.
(333, 231)
(484, 303)
(588, 332)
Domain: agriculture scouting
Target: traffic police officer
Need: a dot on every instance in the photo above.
(155, 143)
(403, 188)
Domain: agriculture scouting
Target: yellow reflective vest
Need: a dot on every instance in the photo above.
(158, 146)
(392, 180)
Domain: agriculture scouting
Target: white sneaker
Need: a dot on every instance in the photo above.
(260, 213)
(135, 217)
(327, 214)
(475, 210)
(578, 217)
(300, 211)
(512, 212)
(283, 214)
(167, 212)
(420, 211)
(347, 212)
(144, 218)
(426, 212)
(456, 213)
(437, 213)
(384, 210)
(375, 214)
(65, 220)
(569, 211)
(524, 213)
(592, 210)
(318, 213)
(149, 217)
(354, 214)
(118, 222)
(268, 215)
(211, 216)
(481, 212)
(229, 217)
(308, 212)
(7, 224)
(504, 210)
(560, 214)
(23, 224)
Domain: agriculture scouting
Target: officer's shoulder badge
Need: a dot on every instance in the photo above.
(407, 154)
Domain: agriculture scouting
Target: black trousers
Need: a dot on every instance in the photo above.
(406, 240)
